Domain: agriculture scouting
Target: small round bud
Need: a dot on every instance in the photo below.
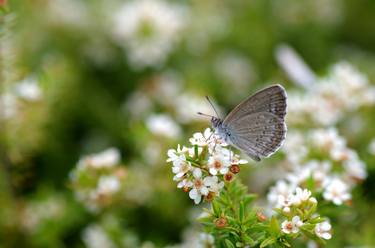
(210, 196)
(286, 210)
(221, 222)
(235, 168)
(313, 200)
(228, 177)
(261, 217)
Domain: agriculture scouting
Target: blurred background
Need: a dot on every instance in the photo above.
(94, 93)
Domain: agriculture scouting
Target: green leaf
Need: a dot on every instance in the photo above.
(249, 198)
(216, 208)
(267, 242)
(274, 227)
(242, 211)
(196, 151)
(249, 240)
(229, 244)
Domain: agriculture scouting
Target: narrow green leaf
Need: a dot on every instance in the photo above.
(267, 242)
(274, 227)
(229, 244)
(249, 198)
(242, 211)
(216, 208)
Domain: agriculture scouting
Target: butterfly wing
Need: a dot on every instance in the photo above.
(257, 125)
(258, 134)
(271, 99)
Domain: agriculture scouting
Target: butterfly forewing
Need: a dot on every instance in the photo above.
(257, 125)
(271, 99)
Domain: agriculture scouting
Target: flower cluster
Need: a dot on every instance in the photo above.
(343, 90)
(202, 169)
(299, 209)
(321, 160)
(148, 30)
(98, 179)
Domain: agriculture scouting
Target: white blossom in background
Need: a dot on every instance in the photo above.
(105, 159)
(337, 191)
(71, 13)
(98, 179)
(188, 104)
(323, 230)
(203, 180)
(8, 106)
(345, 89)
(45, 210)
(108, 185)
(148, 30)
(94, 236)
(321, 159)
(28, 89)
(164, 125)
(294, 66)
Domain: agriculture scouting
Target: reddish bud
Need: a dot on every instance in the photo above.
(261, 217)
(235, 168)
(221, 222)
(228, 177)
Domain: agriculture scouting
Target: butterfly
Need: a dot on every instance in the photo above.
(257, 125)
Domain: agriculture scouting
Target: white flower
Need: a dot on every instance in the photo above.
(322, 230)
(199, 187)
(161, 124)
(200, 139)
(302, 195)
(185, 183)
(94, 236)
(213, 184)
(280, 189)
(9, 106)
(28, 89)
(174, 154)
(292, 226)
(218, 164)
(108, 185)
(285, 202)
(337, 192)
(206, 240)
(355, 169)
(148, 30)
(107, 158)
(181, 166)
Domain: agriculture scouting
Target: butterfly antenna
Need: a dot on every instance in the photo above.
(200, 113)
(208, 99)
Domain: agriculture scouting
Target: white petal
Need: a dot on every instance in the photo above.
(326, 235)
(193, 193)
(213, 171)
(197, 173)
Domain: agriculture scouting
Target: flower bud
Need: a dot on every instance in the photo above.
(235, 168)
(261, 217)
(221, 222)
(228, 177)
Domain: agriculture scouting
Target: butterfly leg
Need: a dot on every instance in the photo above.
(230, 154)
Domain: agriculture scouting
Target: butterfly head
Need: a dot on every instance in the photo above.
(216, 122)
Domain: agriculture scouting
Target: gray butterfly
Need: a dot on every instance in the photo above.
(257, 125)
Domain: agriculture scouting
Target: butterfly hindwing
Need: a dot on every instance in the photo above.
(258, 134)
